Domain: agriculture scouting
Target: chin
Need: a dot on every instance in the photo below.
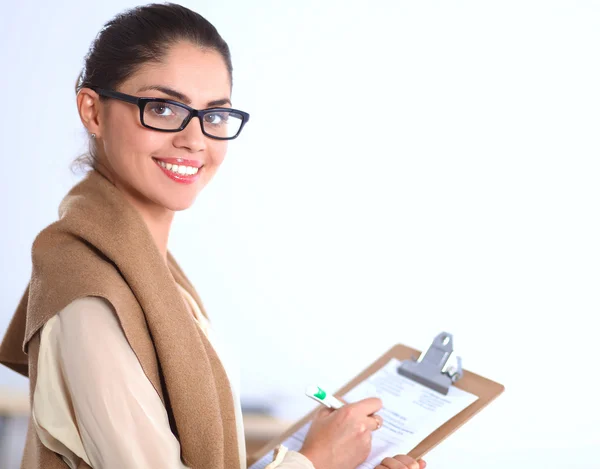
(174, 198)
(178, 205)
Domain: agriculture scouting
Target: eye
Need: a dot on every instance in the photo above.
(161, 109)
(216, 118)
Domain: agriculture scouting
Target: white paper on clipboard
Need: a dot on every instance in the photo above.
(410, 413)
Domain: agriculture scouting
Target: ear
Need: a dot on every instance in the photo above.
(88, 106)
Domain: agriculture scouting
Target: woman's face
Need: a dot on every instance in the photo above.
(133, 154)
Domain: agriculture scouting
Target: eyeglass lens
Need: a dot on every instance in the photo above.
(168, 116)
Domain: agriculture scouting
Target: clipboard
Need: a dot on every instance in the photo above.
(438, 368)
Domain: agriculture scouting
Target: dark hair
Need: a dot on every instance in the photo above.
(138, 36)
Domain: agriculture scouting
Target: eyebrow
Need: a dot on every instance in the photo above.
(182, 97)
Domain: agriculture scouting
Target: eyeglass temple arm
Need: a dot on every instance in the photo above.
(116, 95)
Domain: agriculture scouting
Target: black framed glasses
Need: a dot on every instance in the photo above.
(166, 115)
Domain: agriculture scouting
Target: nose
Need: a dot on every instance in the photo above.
(191, 137)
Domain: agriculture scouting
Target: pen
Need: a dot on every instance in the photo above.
(323, 397)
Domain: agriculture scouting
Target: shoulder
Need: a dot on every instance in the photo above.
(85, 324)
(66, 270)
(92, 308)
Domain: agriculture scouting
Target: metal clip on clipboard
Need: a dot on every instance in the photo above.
(437, 368)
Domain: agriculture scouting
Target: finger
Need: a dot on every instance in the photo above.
(370, 424)
(377, 420)
(422, 464)
(323, 412)
(367, 406)
(392, 463)
(409, 462)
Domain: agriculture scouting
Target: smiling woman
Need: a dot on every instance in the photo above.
(125, 370)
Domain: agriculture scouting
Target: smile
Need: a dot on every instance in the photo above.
(180, 169)
(183, 173)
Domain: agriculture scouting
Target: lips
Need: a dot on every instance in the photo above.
(181, 170)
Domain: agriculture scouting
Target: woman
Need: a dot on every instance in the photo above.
(125, 371)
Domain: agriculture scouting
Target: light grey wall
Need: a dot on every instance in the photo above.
(409, 167)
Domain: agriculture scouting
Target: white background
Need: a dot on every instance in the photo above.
(409, 167)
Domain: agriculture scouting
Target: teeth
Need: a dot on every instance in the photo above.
(179, 169)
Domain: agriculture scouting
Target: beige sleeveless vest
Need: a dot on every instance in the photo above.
(101, 246)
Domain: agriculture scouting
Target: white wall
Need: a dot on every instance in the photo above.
(409, 167)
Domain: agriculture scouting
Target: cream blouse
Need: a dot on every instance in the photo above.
(92, 400)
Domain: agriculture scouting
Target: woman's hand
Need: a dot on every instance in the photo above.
(401, 461)
(341, 439)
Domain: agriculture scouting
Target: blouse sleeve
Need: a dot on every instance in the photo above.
(117, 413)
(284, 459)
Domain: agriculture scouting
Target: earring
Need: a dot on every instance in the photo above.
(93, 135)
